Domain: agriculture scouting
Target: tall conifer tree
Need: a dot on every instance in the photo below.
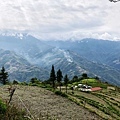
(59, 77)
(53, 76)
(3, 76)
(66, 80)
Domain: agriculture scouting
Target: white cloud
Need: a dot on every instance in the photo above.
(61, 19)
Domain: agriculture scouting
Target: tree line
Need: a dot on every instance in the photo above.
(57, 78)
(54, 78)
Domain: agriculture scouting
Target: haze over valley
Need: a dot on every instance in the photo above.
(26, 57)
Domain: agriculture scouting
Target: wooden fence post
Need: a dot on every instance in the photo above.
(11, 94)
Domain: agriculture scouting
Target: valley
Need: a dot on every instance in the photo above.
(28, 57)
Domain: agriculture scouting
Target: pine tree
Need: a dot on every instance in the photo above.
(84, 76)
(53, 76)
(3, 76)
(66, 80)
(59, 77)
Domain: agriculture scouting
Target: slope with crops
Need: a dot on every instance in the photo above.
(105, 102)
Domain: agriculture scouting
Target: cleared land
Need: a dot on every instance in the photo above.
(41, 104)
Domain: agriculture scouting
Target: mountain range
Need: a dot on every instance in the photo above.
(102, 51)
(25, 57)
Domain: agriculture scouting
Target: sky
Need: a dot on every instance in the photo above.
(61, 19)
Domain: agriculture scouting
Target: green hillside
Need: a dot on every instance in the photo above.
(91, 82)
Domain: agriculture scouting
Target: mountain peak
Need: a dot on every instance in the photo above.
(17, 35)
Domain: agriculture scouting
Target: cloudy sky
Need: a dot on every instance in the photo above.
(61, 19)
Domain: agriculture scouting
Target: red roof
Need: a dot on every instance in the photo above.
(96, 88)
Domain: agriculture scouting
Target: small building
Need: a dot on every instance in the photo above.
(96, 89)
(85, 90)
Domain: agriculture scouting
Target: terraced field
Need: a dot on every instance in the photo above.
(105, 103)
(41, 104)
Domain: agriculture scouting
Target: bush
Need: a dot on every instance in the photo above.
(15, 82)
(11, 112)
(61, 93)
(2, 107)
(24, 83)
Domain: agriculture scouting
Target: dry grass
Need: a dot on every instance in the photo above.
(45, 105)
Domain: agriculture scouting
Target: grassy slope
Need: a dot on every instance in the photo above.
(46, 105)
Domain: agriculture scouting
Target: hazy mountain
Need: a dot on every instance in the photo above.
(94, 57)
(72, 64)
(101, 51)
(18, 68)
(25, 45)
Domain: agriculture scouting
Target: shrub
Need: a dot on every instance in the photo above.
(61, 93)
(11, 112)
(24, 83)
(2, 107)
(15, 82)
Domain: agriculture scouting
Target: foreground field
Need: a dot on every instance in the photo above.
(41, 104)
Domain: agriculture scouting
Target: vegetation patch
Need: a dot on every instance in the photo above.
(11, 112)
(94, 83)
(3, 107)
(61, 94)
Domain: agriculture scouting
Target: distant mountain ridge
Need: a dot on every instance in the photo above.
(20, 69)
(102, 51)
(73, 58)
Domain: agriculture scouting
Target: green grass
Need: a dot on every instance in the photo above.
(91, 82)
(9, 112)
(3, 107)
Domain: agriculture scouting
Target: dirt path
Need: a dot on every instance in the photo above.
(45, 105)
